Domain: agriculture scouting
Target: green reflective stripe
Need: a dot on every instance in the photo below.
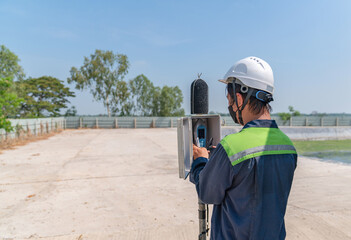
(256, 141)
(262, 154)
(259, 149)
(253, 137)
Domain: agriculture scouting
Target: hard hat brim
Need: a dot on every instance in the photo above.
(223, 81)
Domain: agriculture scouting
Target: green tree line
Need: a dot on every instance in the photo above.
(102, 73)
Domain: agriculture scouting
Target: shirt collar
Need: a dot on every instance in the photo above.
(265, 123)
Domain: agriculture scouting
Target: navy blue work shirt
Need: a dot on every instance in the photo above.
(249, 199)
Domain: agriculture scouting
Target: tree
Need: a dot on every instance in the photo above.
(102, 73)
(9, 64)
(156, 108)
(293, 111)
(315, 113)
(147, 100)
(142, 90)
(287, 116)
(44, 96)
(170, 101)
(71, 112)
(124, 106)
(9, 102)
(11, 70)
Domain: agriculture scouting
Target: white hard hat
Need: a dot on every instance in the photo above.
(252, 72)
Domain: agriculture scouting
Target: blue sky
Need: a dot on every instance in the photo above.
(307, 43)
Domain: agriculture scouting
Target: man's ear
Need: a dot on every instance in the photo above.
(240, 99)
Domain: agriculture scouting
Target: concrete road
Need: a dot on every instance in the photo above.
(123, 184)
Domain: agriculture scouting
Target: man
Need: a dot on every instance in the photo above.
(248, 177)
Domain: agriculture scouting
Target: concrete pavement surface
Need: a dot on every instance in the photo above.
(123, 184)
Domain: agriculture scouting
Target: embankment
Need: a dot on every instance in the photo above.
(306, 133)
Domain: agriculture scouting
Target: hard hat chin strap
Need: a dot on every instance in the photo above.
(241, 108)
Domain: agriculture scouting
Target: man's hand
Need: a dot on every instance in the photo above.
(199, 152)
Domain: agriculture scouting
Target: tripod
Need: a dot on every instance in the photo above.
(203, 220)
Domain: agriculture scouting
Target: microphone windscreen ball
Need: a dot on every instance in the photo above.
(199, 97)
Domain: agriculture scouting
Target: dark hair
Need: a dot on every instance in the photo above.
(256, 106)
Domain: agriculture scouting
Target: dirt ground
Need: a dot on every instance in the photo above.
(123, 184)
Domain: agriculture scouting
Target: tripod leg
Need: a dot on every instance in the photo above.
(202, 221)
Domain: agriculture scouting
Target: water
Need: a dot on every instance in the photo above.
(334, 156)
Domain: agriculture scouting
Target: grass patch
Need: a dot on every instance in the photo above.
(321, 146)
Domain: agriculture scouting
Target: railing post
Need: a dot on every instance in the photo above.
(306, 123)
(97, 123)
(28, 131)
(80, 122)
(171, 122)
(116, 123)
(153, 123)
(135, 123)
(337, 121)
(290, 122)
(321, 121)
